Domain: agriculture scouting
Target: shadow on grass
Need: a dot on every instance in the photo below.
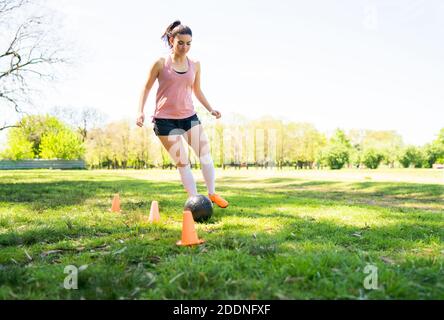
(302, 228)
(425, 191)
(55, 234)
(399, 196)
(62, 193)
(271, 181)
(416, 190)
(55, 195)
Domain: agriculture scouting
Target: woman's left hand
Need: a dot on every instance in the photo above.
(216, 113)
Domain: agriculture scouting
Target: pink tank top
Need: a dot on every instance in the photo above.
(174, 96)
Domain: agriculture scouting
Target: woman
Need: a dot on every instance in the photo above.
(174, 116)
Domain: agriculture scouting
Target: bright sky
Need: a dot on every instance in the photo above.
(346, 63)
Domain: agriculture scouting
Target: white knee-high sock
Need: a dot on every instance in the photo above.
(188, 180)
(208, 172)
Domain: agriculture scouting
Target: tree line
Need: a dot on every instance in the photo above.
(243, 143)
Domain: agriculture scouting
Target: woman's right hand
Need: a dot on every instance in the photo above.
(140, 119)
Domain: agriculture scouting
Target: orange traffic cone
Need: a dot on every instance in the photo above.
(189, 234)
(154, 212)
(115, 207)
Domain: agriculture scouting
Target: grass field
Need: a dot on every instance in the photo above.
(286, 235)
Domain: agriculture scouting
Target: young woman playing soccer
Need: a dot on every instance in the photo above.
(174, 116)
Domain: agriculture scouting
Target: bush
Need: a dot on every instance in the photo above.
(336, 156)
(433, 153)
(411, 156)
(355, 157)
(372, 158)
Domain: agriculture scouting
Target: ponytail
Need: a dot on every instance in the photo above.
(174, 29)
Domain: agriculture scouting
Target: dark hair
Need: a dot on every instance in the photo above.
(173, 30)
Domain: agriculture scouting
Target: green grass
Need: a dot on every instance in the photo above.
(286, 235)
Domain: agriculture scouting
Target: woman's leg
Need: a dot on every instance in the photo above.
(178, 153)
(198, 141)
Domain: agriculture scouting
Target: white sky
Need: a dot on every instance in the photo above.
(350, 64)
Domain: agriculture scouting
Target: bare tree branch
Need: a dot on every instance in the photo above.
(8, 5)
(8, 127)
(28, 56)
(16, 106)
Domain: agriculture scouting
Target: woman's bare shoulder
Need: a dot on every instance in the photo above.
(161, 61)
(195, 62)
(158, 64)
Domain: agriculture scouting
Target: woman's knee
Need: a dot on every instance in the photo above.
(202, 148)
(206, 159)
(182, 165)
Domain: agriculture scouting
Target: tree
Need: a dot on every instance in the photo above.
(335, 156)
(140, 148)
(303, 143)
(39, 136)
(387, 143)
(63, 144)
(440, 138)
(80, 119)
(27, 53)
(339, 137)
(219, 141)
(118, 135)
(411, 156)
(372, 158)
(337, 153)
(434, 152)
(20, 148)
(34, 127)
(368, 143)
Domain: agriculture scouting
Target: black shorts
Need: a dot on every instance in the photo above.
(171, 127)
